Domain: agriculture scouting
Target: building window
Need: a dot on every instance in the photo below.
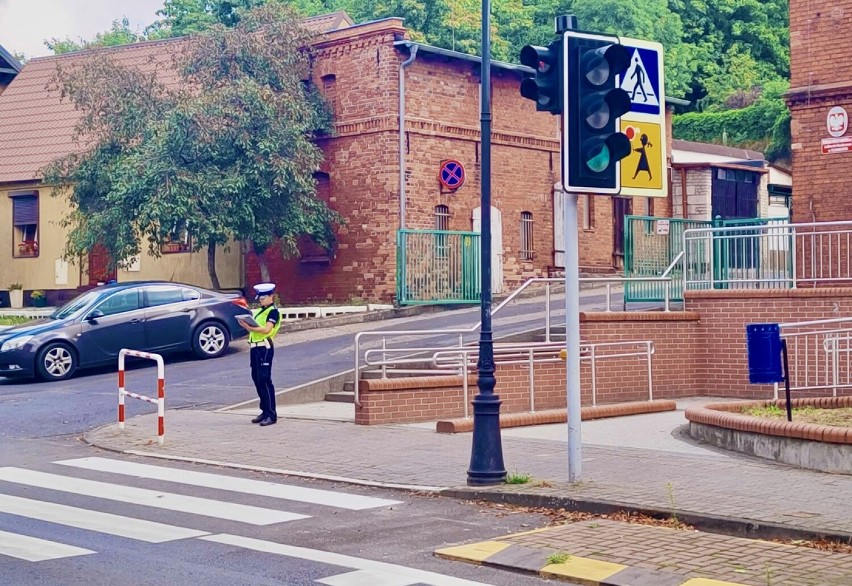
(442, 223)
(526, 236)
(25, 224)
(588, 212)
(178, 239)
(442, 217)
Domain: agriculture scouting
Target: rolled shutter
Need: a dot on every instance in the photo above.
(25, 210)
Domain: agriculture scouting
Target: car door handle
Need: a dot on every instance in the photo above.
(187, 310)
(136, 321)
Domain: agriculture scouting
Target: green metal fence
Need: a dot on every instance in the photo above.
(650, 246)
(652, 243)
(437, 266)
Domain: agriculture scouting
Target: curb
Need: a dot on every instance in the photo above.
(577, 569)
(749, 528)
(547, 416)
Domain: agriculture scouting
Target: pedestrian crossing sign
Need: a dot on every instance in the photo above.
(644, 171)
(641, 81)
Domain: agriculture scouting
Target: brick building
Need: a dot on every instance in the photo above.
(819, 82)
(378, 81)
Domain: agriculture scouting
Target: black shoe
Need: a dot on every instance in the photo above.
(258, 419)
(268, 421)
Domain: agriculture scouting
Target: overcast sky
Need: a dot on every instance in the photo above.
(26, 24)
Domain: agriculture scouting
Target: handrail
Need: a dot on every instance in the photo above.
(547, 280)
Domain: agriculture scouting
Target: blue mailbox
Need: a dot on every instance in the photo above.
(764, 353)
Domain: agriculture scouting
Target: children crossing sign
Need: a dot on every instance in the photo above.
(643, 171)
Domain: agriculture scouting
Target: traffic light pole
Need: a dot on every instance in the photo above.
(572, 286)
(572, 337)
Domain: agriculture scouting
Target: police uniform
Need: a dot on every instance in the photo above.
(261, 351)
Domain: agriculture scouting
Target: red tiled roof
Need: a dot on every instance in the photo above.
(328, 22)
(36, 126)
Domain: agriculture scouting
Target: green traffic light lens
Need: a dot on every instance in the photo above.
(600, 161)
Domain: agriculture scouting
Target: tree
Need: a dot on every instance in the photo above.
(226, 153)
(119, 34)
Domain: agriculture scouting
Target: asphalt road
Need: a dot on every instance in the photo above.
(331, 542)
(33, 409)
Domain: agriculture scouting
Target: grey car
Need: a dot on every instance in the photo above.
(91, 329)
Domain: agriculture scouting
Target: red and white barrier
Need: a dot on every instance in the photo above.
(160, 401)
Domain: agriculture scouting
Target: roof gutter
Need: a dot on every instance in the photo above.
(402, 195)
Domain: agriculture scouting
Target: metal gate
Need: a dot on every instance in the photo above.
(650, 246)
(437, 266)
(652, 243)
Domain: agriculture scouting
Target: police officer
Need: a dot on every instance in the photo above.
(261, 351)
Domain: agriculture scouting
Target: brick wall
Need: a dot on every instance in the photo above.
(816, 56)
(698, 352)
(618, 380)
(819, 81)
(358, 70)
(722, 356)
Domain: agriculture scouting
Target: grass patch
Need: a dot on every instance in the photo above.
(841, 417)
(12, 320)
(517, 478)
(559, 557)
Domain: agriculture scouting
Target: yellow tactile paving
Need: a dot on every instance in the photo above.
(475, 552)
(708, 582)
(582, 570)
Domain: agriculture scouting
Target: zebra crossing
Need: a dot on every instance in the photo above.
(68, 478)
(34, 549)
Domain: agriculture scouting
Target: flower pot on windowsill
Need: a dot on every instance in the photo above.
(16, 298)
(172, 247)
(40, 302)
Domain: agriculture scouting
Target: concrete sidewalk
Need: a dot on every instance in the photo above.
(663, 476)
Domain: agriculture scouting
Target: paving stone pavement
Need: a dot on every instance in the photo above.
(711, 485)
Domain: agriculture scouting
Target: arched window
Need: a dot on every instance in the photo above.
(526, 236)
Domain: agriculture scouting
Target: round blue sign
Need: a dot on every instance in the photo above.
(452, 174)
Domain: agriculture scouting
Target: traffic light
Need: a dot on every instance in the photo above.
(592, 144)
(547, 86)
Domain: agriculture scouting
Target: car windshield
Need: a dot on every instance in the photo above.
(76, 304)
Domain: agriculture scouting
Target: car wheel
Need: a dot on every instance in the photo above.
(56, 362)
(211, 340)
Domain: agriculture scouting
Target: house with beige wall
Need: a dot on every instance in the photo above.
(36, 128)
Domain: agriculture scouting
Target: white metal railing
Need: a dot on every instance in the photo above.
(463, 361)
(459, 344)
(814, 349)
(777, 255)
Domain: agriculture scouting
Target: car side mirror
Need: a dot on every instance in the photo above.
(96, 314)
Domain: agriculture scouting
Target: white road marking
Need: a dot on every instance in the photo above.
(148, 498)
(33, 549)
(414, 575)
(129, 527)
(230, 483)
(366, 578)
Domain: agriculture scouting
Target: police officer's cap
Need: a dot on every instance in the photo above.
(264, 289)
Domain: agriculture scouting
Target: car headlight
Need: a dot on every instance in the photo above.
(14, 343)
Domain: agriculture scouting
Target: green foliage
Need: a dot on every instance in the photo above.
(226, 154)
(119, 34)
(763, 125)
(559, 557)
(719, 54)
(517, 478)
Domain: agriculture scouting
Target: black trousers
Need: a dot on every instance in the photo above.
(261, 374)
